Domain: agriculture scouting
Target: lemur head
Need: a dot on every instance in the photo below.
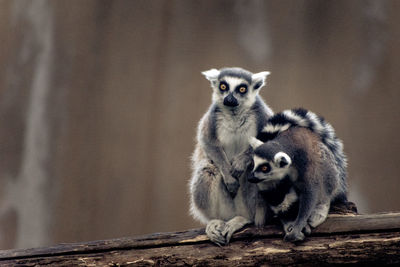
(270, 163)
(235, 87)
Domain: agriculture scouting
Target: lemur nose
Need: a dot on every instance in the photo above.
(230, 101)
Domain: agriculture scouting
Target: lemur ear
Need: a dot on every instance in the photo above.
(254, 142)
(258, 79)
(211, 75)
(282, 159)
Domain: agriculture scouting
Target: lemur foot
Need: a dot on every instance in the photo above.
(318, 216)
(294, 235)
(215, 231)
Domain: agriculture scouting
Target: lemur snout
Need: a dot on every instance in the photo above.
(230, 101)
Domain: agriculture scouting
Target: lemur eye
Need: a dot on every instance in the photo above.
(223, 86)
(264, 168)
(242, 90)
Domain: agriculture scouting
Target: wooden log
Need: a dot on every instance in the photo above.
(341, 239)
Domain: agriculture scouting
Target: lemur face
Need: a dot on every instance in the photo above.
(270, 170)
(234, 87)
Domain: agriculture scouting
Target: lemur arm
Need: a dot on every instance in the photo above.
(216, 153)
(307, 202)
(242, 162)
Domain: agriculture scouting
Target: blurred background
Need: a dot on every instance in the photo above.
(99, 103)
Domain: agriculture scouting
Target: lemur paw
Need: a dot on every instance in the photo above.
(239, 165)
(232, 185)
(294, 235)
(215, 231)
(228, 232)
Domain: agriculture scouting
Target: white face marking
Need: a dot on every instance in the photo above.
(233, 82)
(276, 171)
(245, 101)
(258, 161)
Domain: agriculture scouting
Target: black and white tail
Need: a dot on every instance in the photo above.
(317, 124)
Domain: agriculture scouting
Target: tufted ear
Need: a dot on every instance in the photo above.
(254, 142)
(258, 79)
(211, 75)
(282, 160)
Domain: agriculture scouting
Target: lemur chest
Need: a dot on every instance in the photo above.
(234, 134)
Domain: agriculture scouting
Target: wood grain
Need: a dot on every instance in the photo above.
(350, 238)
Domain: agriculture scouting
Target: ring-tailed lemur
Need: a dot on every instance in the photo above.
(300, 169)
(221, 196)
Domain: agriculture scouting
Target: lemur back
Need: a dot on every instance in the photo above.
(282, 121)
(301, 159)
(221, 196)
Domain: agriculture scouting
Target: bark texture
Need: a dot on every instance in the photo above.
(342, 239)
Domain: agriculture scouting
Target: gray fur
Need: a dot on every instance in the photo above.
(221, 196)
(299, 154)
(317, 124)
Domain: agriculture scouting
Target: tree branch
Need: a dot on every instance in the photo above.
(350, 238)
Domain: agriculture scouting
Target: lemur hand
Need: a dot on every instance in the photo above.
(241, 163)
(232, 185)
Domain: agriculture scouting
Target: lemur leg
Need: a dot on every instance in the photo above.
(216, 153)
(308, 200)
(319, 214)
(211, 203)
(262, 212)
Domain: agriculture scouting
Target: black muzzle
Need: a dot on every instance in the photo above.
(230, 101)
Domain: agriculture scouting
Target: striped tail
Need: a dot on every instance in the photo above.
(304, 118)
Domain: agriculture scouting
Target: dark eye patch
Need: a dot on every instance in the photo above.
(264, 168)
(223, 86)
(242, 89)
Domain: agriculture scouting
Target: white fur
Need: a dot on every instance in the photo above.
(269, 128)
(258, 161)
(300, 120)
(234, 133)
(278, 156)
(254, 142)
(319, 214)
(211, 74)
(260, 77)
(318, 127)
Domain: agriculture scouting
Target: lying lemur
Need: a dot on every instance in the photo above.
(300, 169)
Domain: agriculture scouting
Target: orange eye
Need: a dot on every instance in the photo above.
(264, 168)
(222, 87)
(242, 89)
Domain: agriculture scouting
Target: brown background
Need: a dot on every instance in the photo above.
(99, 102)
